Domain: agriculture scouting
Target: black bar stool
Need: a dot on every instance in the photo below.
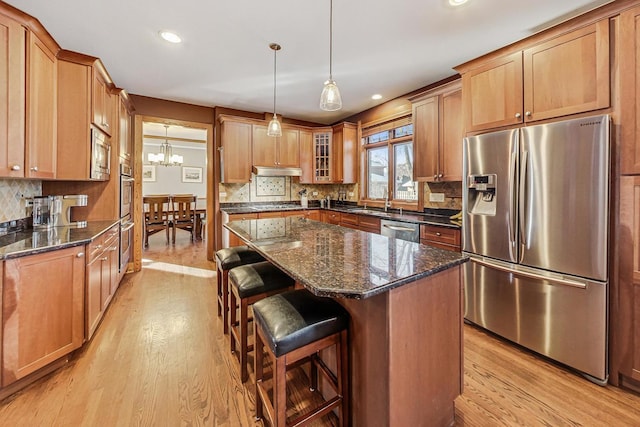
(295, 326)
(226, 259)
(248, 284)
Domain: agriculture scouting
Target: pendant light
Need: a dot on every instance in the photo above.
(274, 128)
(330, 99)
(165, 157)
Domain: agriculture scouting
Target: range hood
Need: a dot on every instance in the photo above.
(276, 171)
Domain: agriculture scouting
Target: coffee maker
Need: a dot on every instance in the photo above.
(66, 203)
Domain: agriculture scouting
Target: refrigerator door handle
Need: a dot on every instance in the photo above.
(530, 275)
(513, 201)
(523, 199)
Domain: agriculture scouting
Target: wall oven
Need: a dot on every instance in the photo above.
(100, 155)
(126, 223)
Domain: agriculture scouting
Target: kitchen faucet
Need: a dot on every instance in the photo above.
(387, 204)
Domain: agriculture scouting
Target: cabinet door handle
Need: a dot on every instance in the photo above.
(518, 115)
(440, 175)
(105, 124)
(438, 234)
(79, 254)
(34, 168)
(104, 259)
(527, 113)
(15, 167)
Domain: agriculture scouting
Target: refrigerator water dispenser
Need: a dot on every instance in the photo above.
(482, 194)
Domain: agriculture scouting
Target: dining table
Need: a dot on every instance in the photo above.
(405, 302)
(200, 212)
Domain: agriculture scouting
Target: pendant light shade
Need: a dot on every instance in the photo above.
(330, 99)
(274, 128)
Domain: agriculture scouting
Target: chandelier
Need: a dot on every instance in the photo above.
(165, 157)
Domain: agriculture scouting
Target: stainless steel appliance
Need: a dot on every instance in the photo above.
(535, 225)
(126, 223)
(45, 212)
(100, 155)
(400, 230)
(66, 203)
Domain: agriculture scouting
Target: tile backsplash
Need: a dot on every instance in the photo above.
(452, 194)
(13, 193)
(282, 189)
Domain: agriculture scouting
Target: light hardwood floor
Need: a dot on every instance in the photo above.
(159, 359)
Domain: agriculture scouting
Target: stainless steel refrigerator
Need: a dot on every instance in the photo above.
(535, 225)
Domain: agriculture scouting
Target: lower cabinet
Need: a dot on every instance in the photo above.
(230, 240)
(42, 310)
(330, 217)
(440, 237)
(101, 277)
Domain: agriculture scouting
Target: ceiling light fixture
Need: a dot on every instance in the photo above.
(330, 99)
(165, 157)
(274, 128)
(170, 37)
(457, 2)
(376, 96)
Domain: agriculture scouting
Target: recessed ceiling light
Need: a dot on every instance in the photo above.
(170, 37)
(457, 2)
(376, 96)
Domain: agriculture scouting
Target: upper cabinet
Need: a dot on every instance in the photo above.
(12, 97)
(568, 74)
(102, 103)
(630, 91)
(41, 118)
(235, 151)
(345, 153)
(329, 155)
(125, 152)
(283, 151)
(438, 133)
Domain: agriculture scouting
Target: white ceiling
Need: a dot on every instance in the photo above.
(380, 46)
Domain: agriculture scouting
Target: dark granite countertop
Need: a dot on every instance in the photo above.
(30, 242)
(335, 261)
(393, 214)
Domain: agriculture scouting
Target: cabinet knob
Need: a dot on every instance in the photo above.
(104, 259)
(440, 175)
(79, 254)
(438, 234)
(15, 167)
(105, 124)
(34, 168)
(435, 176)
(527, 113)
(518, 115)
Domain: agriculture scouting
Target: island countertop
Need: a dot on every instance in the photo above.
(335, 261)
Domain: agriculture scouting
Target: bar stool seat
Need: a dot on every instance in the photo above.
(248, 284)
(294, 326)
(226, 259)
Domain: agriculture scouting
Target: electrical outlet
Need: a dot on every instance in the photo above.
(315, 193)
(350, 193)
(436, 197)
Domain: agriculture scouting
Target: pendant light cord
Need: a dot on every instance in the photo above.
(275, 53)
(330, 39)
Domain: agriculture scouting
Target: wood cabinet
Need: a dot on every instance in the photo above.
(306, 156)
(349, 220)
(630, 91)
(12, 97)
(282, 151)
(125, 144)
(369, 223)
(42, 310)
(41, 107)
(330, 217)
(102, 103)
(626, 316)
(438, 133)
(74, 118)
(235, 151)
(345, 153)
(101, 278)
(440, 237)
(565, 75)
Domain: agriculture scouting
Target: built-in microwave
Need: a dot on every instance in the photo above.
(100, 155)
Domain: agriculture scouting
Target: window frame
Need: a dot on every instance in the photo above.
(390, 143)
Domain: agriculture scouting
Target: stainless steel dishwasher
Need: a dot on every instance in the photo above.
(400, 230)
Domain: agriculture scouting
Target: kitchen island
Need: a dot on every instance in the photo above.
(405, 302)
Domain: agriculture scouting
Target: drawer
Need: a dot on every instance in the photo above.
(262, 215)
(369, 223)
(440, 245)
(111, 234)
(96, 247)
(348, 219)
(433, 233)
(242, 217)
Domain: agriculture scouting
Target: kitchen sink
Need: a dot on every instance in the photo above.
(369, 211)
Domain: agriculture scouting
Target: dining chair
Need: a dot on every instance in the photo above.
(184, 218)
(155, 216)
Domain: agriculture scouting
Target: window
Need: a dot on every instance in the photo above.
(389, 153)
